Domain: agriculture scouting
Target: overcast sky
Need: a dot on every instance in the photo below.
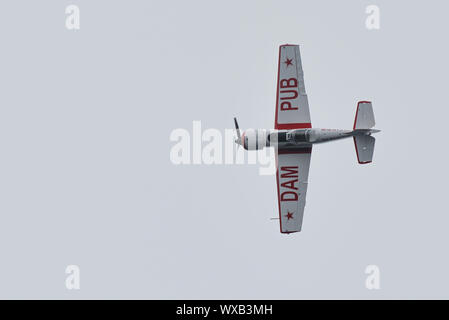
(85, 171)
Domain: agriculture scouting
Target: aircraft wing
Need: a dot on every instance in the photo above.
(292, 174)
(292, 106)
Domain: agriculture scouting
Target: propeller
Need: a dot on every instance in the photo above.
(239, 137)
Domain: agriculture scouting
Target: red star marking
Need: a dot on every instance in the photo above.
(288, 62)
(289, 215)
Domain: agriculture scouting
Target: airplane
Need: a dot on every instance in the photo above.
(293, 137)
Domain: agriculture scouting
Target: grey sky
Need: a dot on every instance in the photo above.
(86, 178)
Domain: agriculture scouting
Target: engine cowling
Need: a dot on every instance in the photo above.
(255, 139)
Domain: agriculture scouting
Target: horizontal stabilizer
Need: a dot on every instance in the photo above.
(364, 147)
(364, 116)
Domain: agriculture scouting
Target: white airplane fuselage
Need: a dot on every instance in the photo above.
(256, 139)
